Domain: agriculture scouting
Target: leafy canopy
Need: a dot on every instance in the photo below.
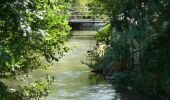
(29, 28)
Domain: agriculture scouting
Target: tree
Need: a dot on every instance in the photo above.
(139, 35)
(30, 29)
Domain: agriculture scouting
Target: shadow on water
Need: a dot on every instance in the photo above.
(74, 81)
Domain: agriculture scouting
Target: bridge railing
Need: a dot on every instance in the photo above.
(86, 14)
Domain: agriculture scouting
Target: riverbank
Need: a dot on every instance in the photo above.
(74, 80)
(140, 71)
(107, 61)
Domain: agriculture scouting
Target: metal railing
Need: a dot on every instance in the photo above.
(86, 14)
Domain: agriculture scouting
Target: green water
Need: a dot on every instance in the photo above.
(74, 81)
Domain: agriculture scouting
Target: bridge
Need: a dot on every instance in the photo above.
(87, 21)
(84, 18)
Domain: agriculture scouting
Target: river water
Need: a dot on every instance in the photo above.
(74, 81)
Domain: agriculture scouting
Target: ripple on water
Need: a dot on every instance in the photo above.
(67, 75)
(92, 92)
(64, 93)
(99, 92)
(71, 74)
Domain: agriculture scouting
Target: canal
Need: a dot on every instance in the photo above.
(74, 81)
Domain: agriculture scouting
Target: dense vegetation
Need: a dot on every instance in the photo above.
(132, 50)
(30, 29)
(136, 47)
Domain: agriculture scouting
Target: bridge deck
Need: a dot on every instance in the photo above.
(86, 21)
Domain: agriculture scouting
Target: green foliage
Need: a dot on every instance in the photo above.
(139, 39)
(3, 90)
(31, 91)
(104, 35)
(30, 29)
(92, 58)
(155, 66)
(96, 59)
(80, 3)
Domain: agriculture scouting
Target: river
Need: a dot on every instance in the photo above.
(74, 81)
